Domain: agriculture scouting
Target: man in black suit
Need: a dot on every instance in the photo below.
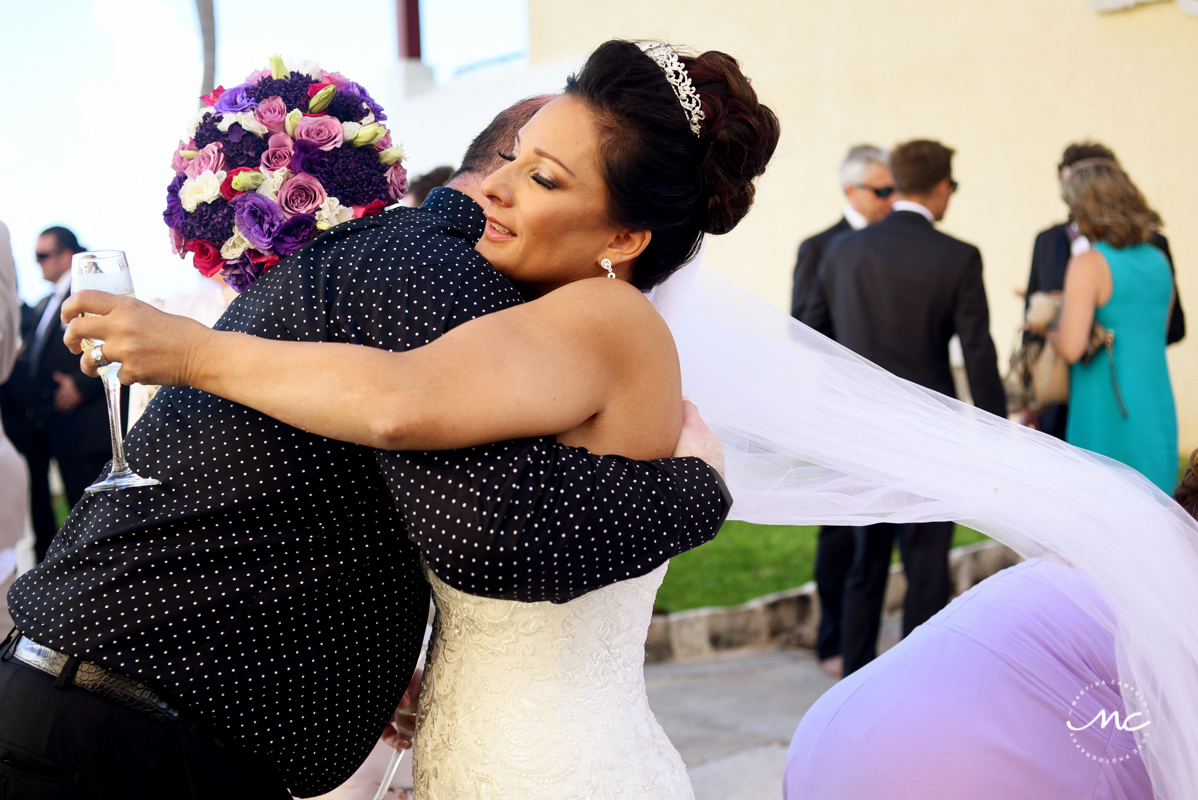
(869, 193)
(1050, 256)
(895, 293)
(51, 409)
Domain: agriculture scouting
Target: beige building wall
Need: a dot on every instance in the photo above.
(1008, 84)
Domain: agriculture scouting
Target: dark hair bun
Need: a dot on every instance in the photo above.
(660, 177)
(740, 132)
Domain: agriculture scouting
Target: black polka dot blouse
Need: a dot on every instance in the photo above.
(271, 585)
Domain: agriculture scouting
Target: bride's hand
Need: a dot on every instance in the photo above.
(401, 728)
(696, 440)
(153, 347)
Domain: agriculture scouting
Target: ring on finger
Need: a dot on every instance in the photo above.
(98, 357)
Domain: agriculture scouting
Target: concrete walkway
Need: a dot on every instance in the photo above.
(732, 716)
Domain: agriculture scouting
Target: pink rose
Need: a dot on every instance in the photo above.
(178, 162)
(279, 154)
(272, 112)
(303, 194)
(254, 77)
(325, 132)
(210, 158)
(335, 78)
(397, 181)
(177, 242)
(384, 143)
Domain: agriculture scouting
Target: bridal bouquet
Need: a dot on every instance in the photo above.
(271, 164)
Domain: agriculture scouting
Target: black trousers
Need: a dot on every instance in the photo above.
(78, 472)
(924, 547)
(71, 743)
(833, 559)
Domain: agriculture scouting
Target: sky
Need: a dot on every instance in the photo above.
(104, 89)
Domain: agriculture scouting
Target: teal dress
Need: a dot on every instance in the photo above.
(1137, 312)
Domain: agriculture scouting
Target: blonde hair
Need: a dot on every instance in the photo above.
(1106, 205)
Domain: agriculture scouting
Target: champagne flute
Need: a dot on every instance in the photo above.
(108, 271)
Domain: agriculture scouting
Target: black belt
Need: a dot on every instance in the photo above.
(113, 686)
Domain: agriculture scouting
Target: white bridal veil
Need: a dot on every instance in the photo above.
(815, 434)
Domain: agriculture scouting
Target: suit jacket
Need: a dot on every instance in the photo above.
(897, 291)
(28, 396)
(806, 285)
(1050, 256)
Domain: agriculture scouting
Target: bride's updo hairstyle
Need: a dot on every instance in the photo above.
(661, 177)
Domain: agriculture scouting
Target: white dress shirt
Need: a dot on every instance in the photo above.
(854, 217)
(918, 208)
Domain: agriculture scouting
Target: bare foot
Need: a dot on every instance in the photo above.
(833, 667)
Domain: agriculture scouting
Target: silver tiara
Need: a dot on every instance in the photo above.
(667, 59)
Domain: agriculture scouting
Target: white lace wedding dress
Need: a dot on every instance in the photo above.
(539, 700)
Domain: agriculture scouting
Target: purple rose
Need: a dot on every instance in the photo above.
(397, 181)
(295, 233)
(272, 112)
(174, 215)
(279, 154)
(235, 100)
(210, 157)
(324, 132)
(241, 272)
(308, 158)
(259, 219)
(355, 91)
(303, 194)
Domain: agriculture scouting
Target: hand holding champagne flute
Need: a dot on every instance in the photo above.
(108, 271)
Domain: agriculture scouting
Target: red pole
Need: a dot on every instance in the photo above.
(407, 17)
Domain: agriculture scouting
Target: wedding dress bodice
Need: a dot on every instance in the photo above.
(543, 700)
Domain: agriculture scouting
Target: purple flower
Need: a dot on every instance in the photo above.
(354, 175)
(235, 100)
(355, 92)
(397, 181)
(174, 216)
(243, 149)
(259, 219)
(294, 234)
(308, 158)
(293, 91)
(241, 271)
(211, 222)
(207, 132)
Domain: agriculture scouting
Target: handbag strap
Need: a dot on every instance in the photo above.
(1108, 342)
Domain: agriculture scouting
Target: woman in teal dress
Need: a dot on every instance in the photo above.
(1125, 284)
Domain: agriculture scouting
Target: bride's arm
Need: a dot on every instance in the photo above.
(537, 369)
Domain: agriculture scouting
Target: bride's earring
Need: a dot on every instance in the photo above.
(606, 264)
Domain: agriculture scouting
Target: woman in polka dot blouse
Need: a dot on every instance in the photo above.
(606, 191)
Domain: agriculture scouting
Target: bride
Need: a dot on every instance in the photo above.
(607, 191)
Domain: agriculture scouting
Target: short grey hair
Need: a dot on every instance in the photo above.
(859, 157)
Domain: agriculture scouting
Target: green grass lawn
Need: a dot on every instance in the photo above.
(747, 561)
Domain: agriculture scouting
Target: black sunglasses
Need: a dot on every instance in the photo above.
(44, 256)
(882, 193)
(953, 184)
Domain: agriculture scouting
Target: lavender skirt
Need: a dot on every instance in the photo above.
(975, 704)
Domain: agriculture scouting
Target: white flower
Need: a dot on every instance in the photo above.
(245, 119)
(274, 181)
(235, 245)
(292, 121)
(349, 130)
(369, 118)
(306, 66)
(392, 154)
(331, 213)
(196, 120)
(203, 189)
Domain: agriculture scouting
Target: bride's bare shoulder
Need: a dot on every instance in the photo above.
(605, 303)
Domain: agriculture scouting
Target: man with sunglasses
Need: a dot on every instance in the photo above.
(895, 293)
(51, 409)
(869, 193)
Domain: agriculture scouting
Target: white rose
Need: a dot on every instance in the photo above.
(331, 213)
(392, 154)
(235, 245)
(306, 66)
(202, 189)
(246, 120)
(349, 130)
(274, 181)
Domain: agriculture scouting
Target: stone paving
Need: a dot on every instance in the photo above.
(732, 716)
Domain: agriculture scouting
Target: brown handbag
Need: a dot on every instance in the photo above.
(1038, 374)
